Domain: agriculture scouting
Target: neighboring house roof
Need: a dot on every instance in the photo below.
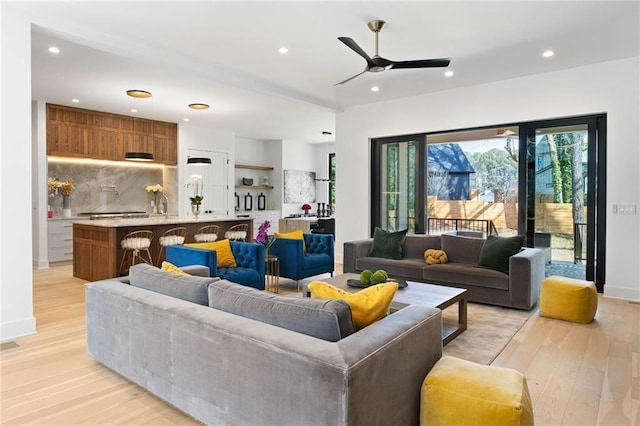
(448, 157)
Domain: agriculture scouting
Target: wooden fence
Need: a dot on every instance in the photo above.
(550, 217)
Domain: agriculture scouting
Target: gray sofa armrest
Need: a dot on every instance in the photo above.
(526, 272)
(197, 270)
(354, 250)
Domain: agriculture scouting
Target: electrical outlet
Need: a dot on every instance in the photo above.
(625, 209)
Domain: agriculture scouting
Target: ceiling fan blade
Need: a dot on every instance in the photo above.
(351, 78)
(421, 63)
(354, 46)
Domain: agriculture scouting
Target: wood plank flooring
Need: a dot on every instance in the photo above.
(577, 374)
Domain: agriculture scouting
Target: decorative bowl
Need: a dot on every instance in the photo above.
(247, 181)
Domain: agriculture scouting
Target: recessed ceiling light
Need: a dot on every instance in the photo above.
(375, 89)
(199, 106)
(75, 101)
(548, 53)
(54, 49)
(185, 119)
(134, 110)
(448, 73)
(283, 50)
(137, 93)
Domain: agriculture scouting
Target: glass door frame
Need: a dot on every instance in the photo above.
(596, 188)
(420, 178)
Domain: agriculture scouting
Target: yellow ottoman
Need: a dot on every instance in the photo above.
(459, 392)
(568, 299)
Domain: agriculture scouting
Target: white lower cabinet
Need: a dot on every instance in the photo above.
(273, 216)
(60, 240)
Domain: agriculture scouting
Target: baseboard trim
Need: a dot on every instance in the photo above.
(40, 264)
(625, 293)
(14, 329)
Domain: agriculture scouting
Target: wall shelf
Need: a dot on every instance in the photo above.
(250, 167)
(255, 186)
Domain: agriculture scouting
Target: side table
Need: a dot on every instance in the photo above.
(272, 276)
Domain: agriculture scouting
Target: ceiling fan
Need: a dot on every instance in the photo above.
(377, 63)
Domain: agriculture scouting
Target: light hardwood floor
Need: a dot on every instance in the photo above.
(577, 374)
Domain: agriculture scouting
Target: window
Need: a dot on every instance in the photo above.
(332, 181)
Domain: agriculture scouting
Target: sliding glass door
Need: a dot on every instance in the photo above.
(399, 196)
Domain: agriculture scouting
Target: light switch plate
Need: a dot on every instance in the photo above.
(625, 209)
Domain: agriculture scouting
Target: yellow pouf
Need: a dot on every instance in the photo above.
(568, 299)
(459, 392)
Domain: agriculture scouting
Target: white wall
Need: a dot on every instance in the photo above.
(611, 87)
(16, 276)
(194, 137)
(258, 152)
(297, 156)
(39, 186)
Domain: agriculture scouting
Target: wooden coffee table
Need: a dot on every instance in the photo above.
(415, 293)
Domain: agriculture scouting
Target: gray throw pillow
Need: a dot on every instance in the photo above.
(325, 319)
(461, 249)
(387, 244)
(496, 252)
(185, 287)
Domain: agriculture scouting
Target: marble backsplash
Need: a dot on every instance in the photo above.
(112, 188)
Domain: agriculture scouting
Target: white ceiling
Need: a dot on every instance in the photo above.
(225, 54)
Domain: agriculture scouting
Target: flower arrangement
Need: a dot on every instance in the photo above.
(58, 187)
(195, 182)
(263, 237)
(154, 189)
(306, 207)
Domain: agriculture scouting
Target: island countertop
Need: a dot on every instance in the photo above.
(157, 220)
(98, 254)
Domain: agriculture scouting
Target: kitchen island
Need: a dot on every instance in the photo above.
(96, 243)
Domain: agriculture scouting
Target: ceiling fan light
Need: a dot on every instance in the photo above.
(138, 156)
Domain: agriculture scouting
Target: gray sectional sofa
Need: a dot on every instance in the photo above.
(227, 368)
(517, 289)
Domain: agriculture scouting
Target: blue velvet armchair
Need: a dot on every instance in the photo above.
(249, 258)
(295, 263)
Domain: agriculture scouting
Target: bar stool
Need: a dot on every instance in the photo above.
(172, 237)
(237, 232)
(207, 234)
(138, 243)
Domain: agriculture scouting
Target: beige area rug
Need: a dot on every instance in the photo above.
(489, 330)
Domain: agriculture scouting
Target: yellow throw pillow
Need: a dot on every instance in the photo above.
(170, 267)
(294, 235)
(223, 252)
(435, 257)
(367, 305)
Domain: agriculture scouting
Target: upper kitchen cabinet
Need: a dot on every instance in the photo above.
(74, 132)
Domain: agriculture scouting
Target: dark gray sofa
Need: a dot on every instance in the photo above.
(517, 289)
(227, 369)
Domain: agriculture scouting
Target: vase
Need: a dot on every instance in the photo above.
(156, 202)
(66, 206)
(195, 209)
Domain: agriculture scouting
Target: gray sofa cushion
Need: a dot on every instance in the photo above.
(414, 246)
(185, 287)
(461, 249)
(405, 268)
(325, 319)
(465, 274)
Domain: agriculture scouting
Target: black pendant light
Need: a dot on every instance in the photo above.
(198, 160)
(138, 156)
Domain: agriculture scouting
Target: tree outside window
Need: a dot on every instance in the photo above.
(332, 181)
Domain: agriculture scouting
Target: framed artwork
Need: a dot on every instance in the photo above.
(299, 186)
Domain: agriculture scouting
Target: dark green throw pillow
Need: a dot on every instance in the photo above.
(496, 251)
(387, 244)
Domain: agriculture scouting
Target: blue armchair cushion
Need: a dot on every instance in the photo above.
(297, 264)
(325, 319)
(185, 287)
(250, 269)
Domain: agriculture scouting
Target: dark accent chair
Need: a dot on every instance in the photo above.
(249, 258)
(296, 263)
